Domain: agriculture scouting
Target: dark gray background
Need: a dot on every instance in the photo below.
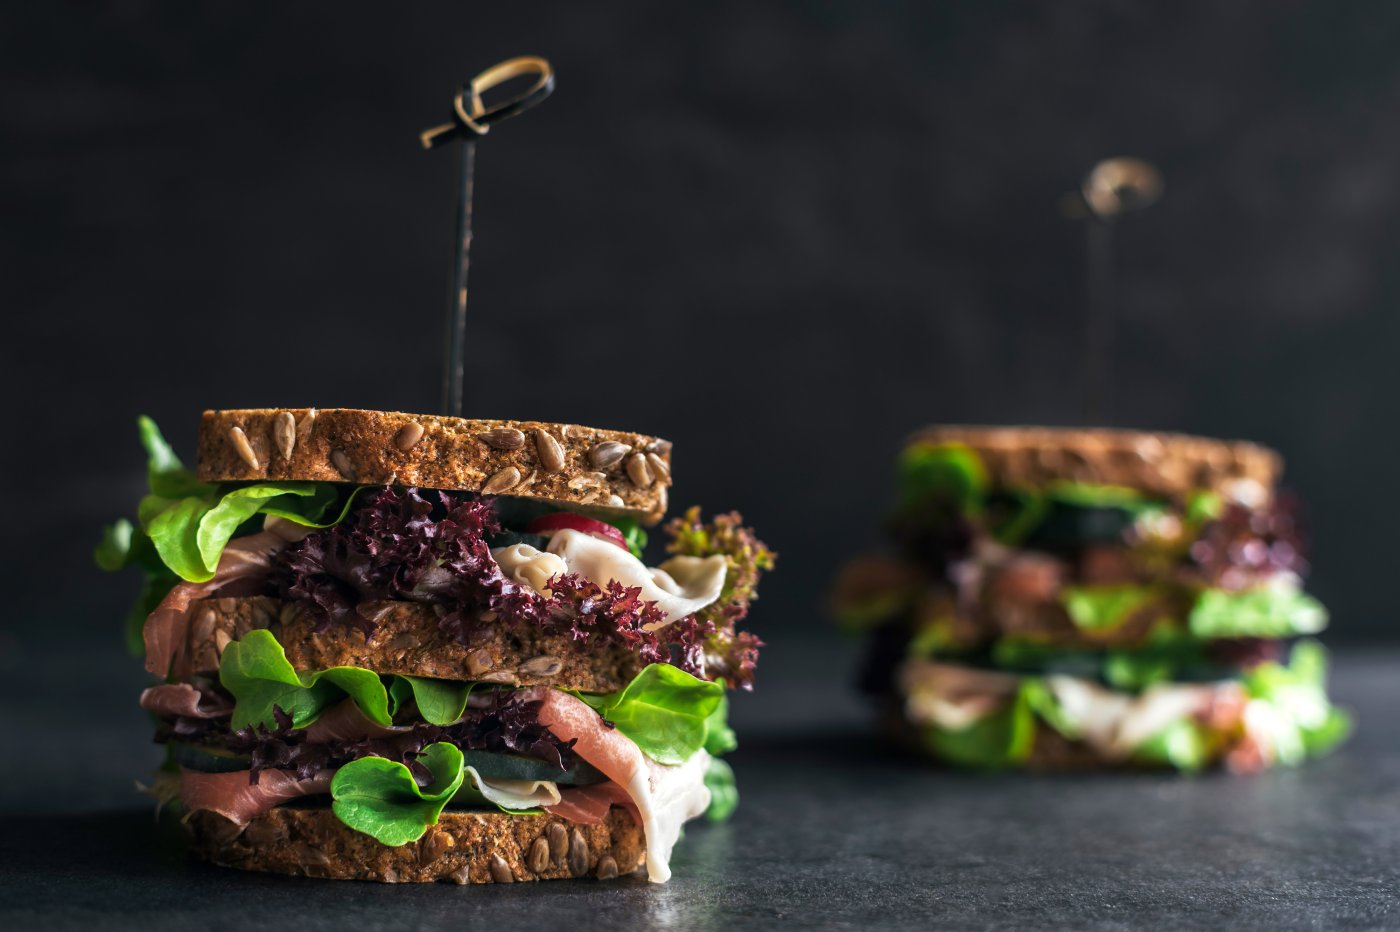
(780, 234)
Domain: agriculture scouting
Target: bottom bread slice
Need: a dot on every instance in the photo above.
(464, 847)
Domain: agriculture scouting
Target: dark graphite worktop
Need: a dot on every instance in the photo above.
(831, 832)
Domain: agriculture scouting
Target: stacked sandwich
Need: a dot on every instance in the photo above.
(1091, 598)
(404, 648)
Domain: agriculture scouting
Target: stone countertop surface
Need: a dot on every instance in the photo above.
(832, 832)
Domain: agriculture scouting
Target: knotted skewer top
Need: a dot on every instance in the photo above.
(470, 116)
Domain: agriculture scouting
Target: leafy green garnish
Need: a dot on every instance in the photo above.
(632, 532)
(183, 524)
(724, 794)
(380, 797)
(1265, 612)
(1090, 495)
(1203, 506)
(1103, 608)
(942, 474)
(1184, 744)
(1138, 669)
(1288, 703)
(996, 740)
(256, 671)
(165, 474)
(664, 711)
(190, 534)
(1042, 702)
(113, 550)
(1302, 722)
(719, 737)
(440, 702)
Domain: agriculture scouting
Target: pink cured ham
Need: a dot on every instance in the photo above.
(183, 700)
(234, 798)
(665, 796)
(243, 568)
(345, 722)
(589, 805)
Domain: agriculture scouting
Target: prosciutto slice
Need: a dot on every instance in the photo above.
(665, 795)
(589, 805)
(243, 569)
(182, 700)
(345, 722)
(234, 798)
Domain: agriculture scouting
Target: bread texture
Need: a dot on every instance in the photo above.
(1156, 464)
(607, 470)
(407, 640)
(464, 847)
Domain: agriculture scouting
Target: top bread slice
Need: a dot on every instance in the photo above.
(1155, 464)
(609, 471)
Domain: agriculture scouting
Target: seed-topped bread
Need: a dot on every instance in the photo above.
(464, 847)
(607, 470)
(408, 641)
(1157, 464)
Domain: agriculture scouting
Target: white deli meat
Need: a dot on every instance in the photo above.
(681, 586)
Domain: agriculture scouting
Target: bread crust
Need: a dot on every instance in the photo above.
(408, 641)
(611, 471)
(1157, 464)
(464, 847)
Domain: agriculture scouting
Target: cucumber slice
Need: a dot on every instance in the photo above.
(1068, 527)
(520, 767)
(208, 760)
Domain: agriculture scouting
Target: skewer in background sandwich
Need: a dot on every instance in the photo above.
(1092, 598)
(406, 648)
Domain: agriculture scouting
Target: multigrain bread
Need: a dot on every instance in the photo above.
(464, 847)
(608, 470)
(1157, 464)
(407, 640)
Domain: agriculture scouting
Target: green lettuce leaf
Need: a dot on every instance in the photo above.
(719, 737)
(1266, 612)
(997, 740)
(1090, 495)
(256, 671)
(1184, 744)
(664, 710)
(633, 533)
(942, 473)
(1042, 702)
(381, 799)
(167, 476)
(183, 525)
(724, 794)
(113, 551)
(440, 702)
(1301, 720)
(191, 534)
(1103, 608)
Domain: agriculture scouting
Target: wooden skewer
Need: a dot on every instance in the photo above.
(472, 119)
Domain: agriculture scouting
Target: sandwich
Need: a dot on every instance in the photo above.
(410, 648)
(1092, 599)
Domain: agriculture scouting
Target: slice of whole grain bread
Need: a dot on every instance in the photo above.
(407, 640)
(1156, 464)
(607, 470)
(464, 847)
